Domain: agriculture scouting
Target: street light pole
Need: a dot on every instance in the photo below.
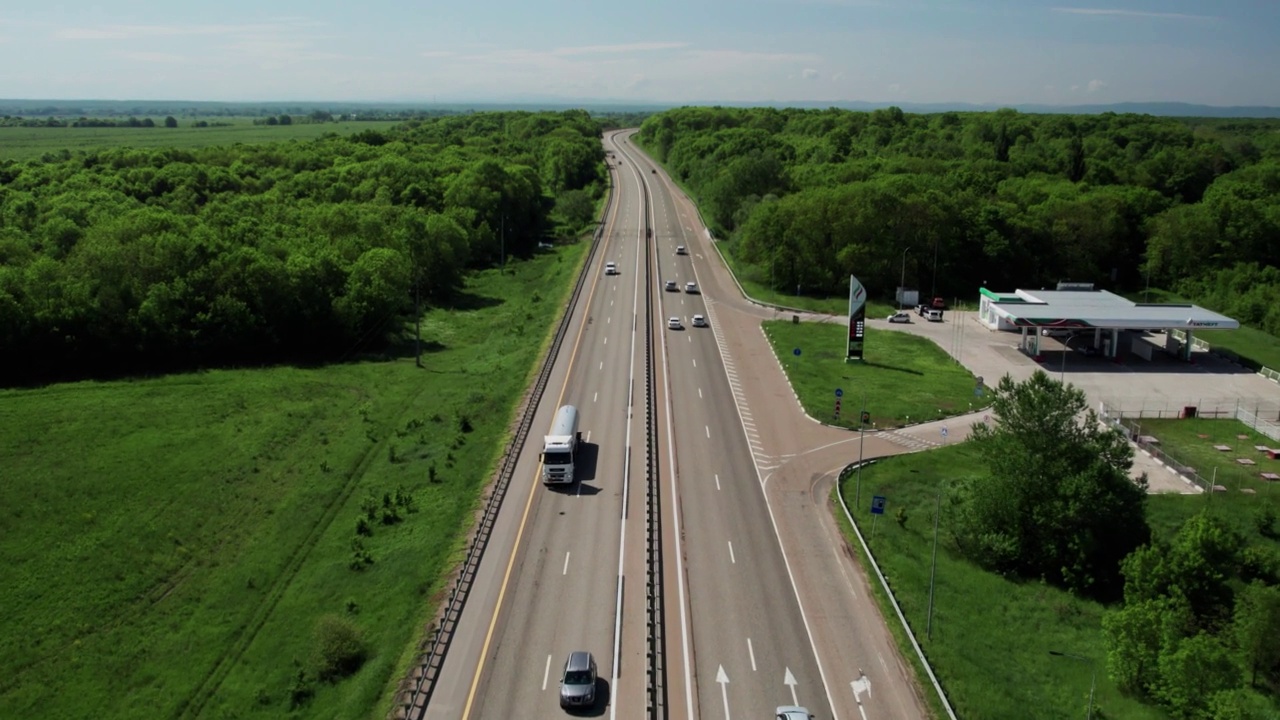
(933, 289)
(1066, 346)
(933, 570)
(1093, 683)
(862, 434)
(903, 280)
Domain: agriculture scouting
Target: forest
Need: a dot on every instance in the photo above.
(1004, 199)
(137, 261)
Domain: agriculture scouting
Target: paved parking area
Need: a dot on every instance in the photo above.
(1163, 383)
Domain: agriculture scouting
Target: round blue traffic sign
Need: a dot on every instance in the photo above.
(796, 352)
(839, 392)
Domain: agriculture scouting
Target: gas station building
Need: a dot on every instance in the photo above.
(1077, 308)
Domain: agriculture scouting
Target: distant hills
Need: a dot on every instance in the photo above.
(191, 108)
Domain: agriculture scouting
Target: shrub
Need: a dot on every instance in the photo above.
(340, 648)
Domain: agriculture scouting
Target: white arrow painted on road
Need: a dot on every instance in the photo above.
(861, 685)
(790, 681)
(724, 689)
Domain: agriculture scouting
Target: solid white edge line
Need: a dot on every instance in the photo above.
(750, 651)
(546, 673)
(732, 559)
(566, 563)
(675, 512)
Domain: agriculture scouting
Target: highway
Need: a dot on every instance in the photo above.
(743, 555)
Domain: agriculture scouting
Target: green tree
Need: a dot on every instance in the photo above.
(1256, 627)
(1058, 502)
(171, 122)
(1192, 672)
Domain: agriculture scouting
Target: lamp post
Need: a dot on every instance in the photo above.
(933, 288)
(862, 435)
(1066, 346)
(903, 280)
(1093, 684)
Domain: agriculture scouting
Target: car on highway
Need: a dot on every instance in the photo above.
(653, 170)
(680, 250)
(674, 324)
(793, 712)
(578, 683)
(699, 321)
(611, 268)
(691, 288)
(672, 287)
(899, 317)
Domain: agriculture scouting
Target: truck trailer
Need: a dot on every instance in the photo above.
(561, 447)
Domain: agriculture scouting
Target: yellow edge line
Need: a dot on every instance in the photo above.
(506, 578)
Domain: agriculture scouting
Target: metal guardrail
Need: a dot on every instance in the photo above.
(655, 606)
(413, 703)
(888, 591)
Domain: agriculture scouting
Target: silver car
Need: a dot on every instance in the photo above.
(671, 286)
(793, 712)
(578, 684)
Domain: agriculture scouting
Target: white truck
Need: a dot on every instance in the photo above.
(561, 447)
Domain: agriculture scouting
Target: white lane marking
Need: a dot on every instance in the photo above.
(695, 362)
(601, 364)
(606, 340)
(790, 681)
(588, 436)
(608, 320)
(732, 559)
(708, 427)
(546, 673)
(751, 651)
(724, 689)
(699, 393)
(595, 396)
(717, 481)
(566, 564)
(861, 685)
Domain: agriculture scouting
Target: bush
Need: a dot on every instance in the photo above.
(340, 648)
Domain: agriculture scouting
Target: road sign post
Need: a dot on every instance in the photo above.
(877, 509)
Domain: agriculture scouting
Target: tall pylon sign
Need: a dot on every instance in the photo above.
(857, 318)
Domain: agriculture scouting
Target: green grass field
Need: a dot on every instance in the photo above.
(18, 143)
(907, 379)
(170, 543)
(755, 281)
(991, 637)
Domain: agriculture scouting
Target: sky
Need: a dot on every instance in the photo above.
(1225, 52)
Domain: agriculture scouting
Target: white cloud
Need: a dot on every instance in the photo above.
(621, 48)
(837, 76)
(438, 53)
(809, 74)
(895, 88)
(1096, 85)
(153, 57)
(1118, 12)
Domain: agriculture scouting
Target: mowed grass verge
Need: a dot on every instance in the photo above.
(20, 143)
(1181, 440)
(755, 281)
(171, 543)
(906, 379)
(991, 636)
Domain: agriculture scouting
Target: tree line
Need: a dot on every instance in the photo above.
(129, 260)
(1005, 199)
(1193, 621)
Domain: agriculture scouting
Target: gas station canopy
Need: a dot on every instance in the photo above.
(1090, 309)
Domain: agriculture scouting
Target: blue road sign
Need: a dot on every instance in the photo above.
(977, 392)
(796, 352)
(877, 505)
(944, 431)
(839, 392)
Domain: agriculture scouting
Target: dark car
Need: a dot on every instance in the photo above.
(578, 684)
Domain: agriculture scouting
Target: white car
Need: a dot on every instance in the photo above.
(674, 324)
(899, 317)
(672, 287)
(699, 321)
(681, 251)
(691, 287)
(610, 268)
(793, 712)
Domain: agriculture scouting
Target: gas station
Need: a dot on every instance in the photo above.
(1076, 309)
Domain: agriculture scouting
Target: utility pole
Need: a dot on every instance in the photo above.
(502, 252)
(417, 320)
(933, 288)
(933, 571)
(862, 435)
(903, 281)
